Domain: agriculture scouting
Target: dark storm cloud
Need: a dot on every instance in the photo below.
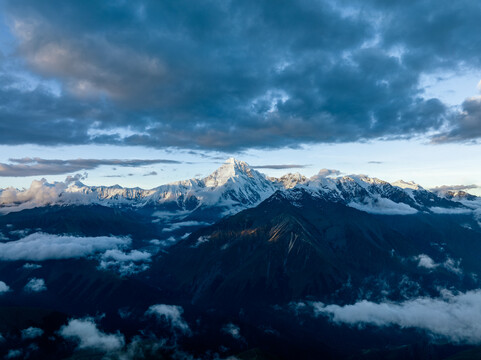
(38, 166)
(280, 167)
(226, 75)
(467, 123)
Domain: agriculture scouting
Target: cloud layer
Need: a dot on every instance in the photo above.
(383, 206)
(228, 75)
(456, 318)
(41, 246)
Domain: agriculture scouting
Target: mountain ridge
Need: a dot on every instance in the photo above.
(235, 186)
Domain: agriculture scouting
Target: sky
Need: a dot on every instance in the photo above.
(140, 93)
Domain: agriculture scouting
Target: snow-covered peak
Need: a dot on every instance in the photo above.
(231, 169)
(407, 185)
(290, 180)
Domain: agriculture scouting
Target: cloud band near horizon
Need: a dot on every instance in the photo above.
(38, 166)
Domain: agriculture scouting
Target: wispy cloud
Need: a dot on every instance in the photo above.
(181, 224)
(31, 333)
(38, 166)
(454, 188)
(280, 167)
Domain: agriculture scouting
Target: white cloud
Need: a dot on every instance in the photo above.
(125, 263)
(88, 336)
(201, 240)
(35, 285)
(41, 246)
(450, 264)
(425, 261)
(32, 333)
(453, 266)
(120, 256)
(177, 226)
(456, 318)
(328, 173)
(382, 206)
(440, 210)
(233, 330)
(30, 266)
(4, 287)
(20, 233)
(170, 313)
(40, 193)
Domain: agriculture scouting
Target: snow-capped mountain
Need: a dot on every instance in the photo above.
(235, 186)
(232, 185)
(374, 195)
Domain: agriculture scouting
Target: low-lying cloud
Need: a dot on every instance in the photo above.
(14, 354)
(4, 288)
(179, 225)
(232, 330)
(172, 314)
(35, 285)
(456, 318)
(453, 211)
(424, 261)
(41, 246)
(382, 206)
(125, 263)
(86, 334)
(30, 266)
(31, 333)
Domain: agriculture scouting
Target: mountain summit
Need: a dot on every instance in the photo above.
(232, 169)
